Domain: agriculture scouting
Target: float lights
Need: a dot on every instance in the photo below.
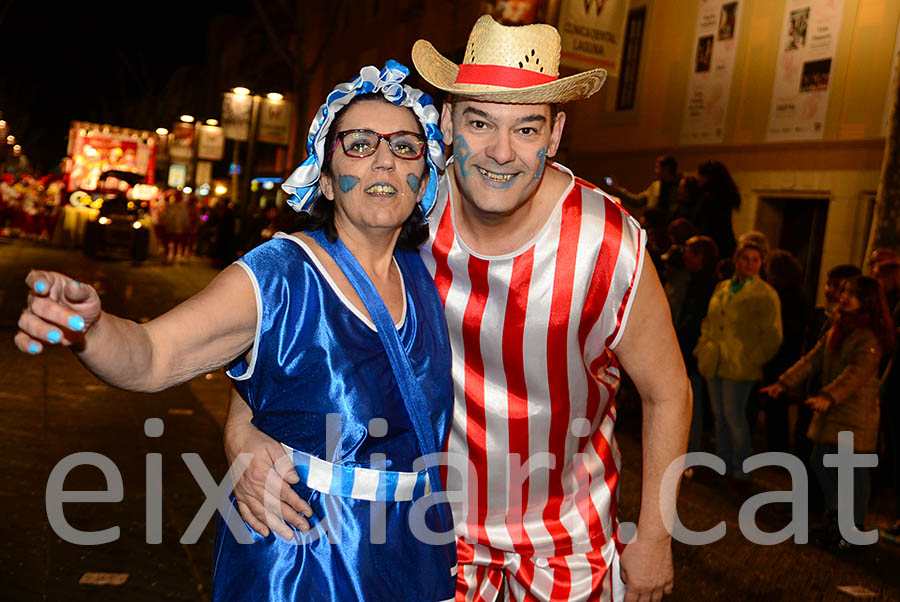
(274, 96)
(241, 91)
(187, 118)
(162, 131)
(10, 139)
(212, 122)
(220, 190)
(187, 190)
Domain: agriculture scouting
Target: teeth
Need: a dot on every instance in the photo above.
(381, 189)
(496, 177)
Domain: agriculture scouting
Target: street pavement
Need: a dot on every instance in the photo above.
(52, 407)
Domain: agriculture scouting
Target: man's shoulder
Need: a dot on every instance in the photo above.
(598, 205)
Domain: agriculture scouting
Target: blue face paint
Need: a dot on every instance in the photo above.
(461, 154)
(542, 157)
(347, 182)
(413, 181)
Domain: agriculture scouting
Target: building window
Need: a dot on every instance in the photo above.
(631, 59)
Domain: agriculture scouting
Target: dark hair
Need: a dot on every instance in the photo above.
(707, 248)
(719, 184)
(873, 305)
(843, 272)
(321, 215)
(725, 268)
(668, 162)
(682, 229)
(783, 270)
(886, 268)
(654, 217)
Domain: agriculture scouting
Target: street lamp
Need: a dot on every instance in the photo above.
(274, 96)
(241, 91)
(10, 140)
(212, 122)
(187, 118)
(162, 132)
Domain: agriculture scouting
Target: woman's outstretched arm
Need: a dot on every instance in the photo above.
(201, 334)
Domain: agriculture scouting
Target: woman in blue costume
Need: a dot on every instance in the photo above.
(335, 337)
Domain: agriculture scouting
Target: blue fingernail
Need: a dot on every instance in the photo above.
(40, 286)
(76, 323)
(54, 336)
(33, 349)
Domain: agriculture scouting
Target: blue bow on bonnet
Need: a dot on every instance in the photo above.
(303, 184)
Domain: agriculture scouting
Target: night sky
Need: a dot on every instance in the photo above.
(96, 61)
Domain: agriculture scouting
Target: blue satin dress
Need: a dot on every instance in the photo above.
(320, 382)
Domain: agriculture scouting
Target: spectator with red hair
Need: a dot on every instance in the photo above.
(847, 358)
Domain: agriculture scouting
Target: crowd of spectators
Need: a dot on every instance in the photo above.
(184, 225)
(30, 206)
(772, 370)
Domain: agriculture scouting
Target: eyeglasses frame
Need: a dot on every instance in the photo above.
(339, 139)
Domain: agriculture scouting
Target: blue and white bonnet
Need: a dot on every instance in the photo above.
(303, 184)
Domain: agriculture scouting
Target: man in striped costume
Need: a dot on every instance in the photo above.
(547, 293)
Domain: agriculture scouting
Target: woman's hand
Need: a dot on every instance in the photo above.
(819, 403)
(60, 311)
(774, 390)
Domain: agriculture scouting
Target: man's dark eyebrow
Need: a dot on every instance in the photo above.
(484, 115)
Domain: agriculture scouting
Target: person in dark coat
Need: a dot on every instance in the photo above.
(700, 257)
(890, 402)
(785, 275)
(719, 198)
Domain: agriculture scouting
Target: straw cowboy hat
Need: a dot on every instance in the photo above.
(509, 64)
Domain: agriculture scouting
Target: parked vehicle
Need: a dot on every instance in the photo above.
(120, 229)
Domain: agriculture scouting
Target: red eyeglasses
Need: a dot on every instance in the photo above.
(359, 144)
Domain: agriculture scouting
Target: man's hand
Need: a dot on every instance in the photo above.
(263, 494)
(647, 570)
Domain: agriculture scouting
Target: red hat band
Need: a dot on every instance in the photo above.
(501, 75)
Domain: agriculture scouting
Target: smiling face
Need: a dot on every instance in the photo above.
(377, 192)
(499, 151)
(848, 302)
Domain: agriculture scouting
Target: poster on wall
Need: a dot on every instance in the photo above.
(806, 51)
(592, 33)
(712, 68)
(888, 99)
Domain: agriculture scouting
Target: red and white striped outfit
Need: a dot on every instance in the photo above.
(535, 383)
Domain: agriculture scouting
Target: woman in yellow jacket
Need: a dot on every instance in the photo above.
(741, 332)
